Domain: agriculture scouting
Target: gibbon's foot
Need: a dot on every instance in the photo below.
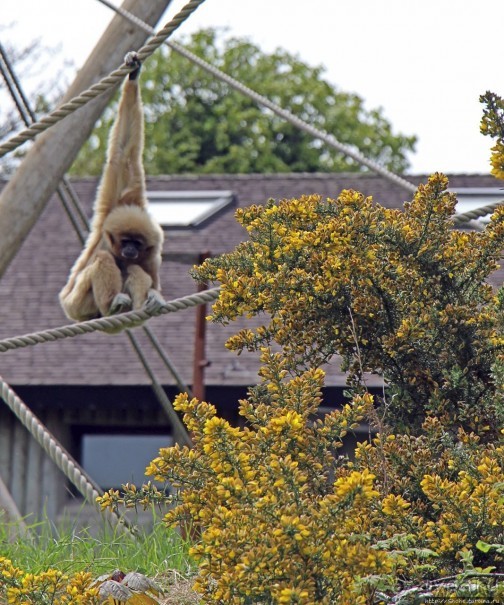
(132, 60)
(120, 304)
(154, 301)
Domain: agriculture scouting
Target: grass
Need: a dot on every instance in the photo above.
(158, 552)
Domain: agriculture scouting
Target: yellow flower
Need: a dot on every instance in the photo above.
(356, 484)
(292, 420)
(394, 505)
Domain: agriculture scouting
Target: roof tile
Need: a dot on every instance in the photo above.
(29, 289)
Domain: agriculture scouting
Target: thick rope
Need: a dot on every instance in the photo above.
(181, 385)
(61, 458)
(283, 113)
(465, 217)
(105, 84)
(289, 117)
(123, 320)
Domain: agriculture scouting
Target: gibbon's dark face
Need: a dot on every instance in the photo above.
(131, 248)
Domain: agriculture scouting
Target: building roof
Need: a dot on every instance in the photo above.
(29, 289)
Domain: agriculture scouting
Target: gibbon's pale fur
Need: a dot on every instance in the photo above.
(118, 269)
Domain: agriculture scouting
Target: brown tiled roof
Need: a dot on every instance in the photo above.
(29, 289)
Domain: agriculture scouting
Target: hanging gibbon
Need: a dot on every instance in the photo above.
(118, 269)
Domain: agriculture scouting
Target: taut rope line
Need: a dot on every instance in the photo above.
(329, 139)
(122, 320)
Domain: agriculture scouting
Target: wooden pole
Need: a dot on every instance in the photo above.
(200, 362)
(7, 503)
(17, 528)
(27, 193)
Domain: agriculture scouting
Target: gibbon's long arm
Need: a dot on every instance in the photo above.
(123, 180)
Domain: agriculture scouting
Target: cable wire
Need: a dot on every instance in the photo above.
(28, 116)
(467, 217)
(329, 139)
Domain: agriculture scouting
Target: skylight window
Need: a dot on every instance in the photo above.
(471, 198)
(186, 209)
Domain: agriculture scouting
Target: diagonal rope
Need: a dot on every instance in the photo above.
(115, 322)
(178, 427)
(105, 84)
(328, 139)
(182, 387)
(61, 458)
(467, 217)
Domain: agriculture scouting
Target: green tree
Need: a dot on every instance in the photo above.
(195, 123)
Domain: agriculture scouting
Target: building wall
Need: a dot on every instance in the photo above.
(119, 414)
(33, 480)
(39, 489)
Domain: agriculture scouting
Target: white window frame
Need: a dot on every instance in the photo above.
(210, 203)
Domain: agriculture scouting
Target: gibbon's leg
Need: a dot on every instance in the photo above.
(106, 282)
(79, 304)
(137, 285)
(120, 304)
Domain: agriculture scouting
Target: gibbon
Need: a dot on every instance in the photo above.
(118, 269)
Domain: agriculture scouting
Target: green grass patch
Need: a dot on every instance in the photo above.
(98, 550)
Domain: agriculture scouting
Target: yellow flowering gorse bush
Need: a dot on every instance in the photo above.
(492, 124)
(451, 490)
(275, 508)
(281, 519)
(277, 515)
(398, 293)
(50, 587)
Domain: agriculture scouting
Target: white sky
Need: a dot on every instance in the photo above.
(424, 62)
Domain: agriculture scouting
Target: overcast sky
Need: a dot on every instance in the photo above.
(424, 62)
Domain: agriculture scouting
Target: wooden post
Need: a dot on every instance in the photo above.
(200, 361)
(27, 193)
(8, 505)
(17, 528)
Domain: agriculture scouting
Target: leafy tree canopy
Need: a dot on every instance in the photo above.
(197, 124)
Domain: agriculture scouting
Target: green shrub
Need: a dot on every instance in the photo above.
(281, 518)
